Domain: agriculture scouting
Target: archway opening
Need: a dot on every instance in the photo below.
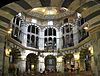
(69, 61)
(50, 63)
(31, 62)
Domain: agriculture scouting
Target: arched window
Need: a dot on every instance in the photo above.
(37, 39)
(33, 29)
(16, 32)
(49, 40)
(29, 28)
(32, 41)
(67, 39)
(50, 31)
(54, 43)
(63, 30)
(67, 28)
(45, 40)
(63, 41)
(14, 19)
(46, 32)
(32, 38)
(71, 35)
(28, 38)
(17, 20)
(54, 32)
(55, 40)
(37, 30)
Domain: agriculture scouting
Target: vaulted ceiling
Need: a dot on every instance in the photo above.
(89, 9)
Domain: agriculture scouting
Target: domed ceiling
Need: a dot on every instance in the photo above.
(89, 9)
(49, 12)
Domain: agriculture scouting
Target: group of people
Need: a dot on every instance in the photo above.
(13, 71)
(66, 71)
(73, 68)
(47, 71)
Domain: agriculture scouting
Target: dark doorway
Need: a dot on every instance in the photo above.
(31, 62)
(50, 63)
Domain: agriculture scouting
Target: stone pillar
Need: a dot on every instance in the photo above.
(60, 64)
(21, 65)
(24, 34)
(57, 41)
(75, 34)
(95, 36)
(61, 40)
(41, 39)
(41, 64)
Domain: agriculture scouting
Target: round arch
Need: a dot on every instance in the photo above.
(31, 62)
(66, 24)
(50, 63)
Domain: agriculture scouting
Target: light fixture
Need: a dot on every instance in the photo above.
(32, 66)
(86, 28)
(9, 31)
(7, 51)
(68, 62)
(77, 56)
(91, 49)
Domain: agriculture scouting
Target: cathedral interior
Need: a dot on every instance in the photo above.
(51, 36)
